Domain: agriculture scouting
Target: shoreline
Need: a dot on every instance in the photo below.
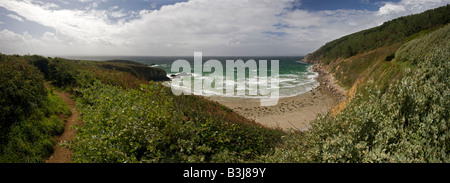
(291, 113)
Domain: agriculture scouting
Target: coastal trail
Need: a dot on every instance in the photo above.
(62, 154)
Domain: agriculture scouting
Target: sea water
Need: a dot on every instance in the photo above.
(295, 77)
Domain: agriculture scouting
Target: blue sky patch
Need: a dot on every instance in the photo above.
(279, 34)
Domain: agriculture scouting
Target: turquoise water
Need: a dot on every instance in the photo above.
(294, 77)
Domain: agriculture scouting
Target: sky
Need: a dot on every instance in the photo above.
(182, 27)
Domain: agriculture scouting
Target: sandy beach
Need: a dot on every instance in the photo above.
(291, 113)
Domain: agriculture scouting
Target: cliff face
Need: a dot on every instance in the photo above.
(310, 60)
(151, 73)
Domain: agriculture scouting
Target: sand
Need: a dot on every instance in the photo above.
(291, 113)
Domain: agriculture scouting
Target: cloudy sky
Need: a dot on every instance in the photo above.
(180, 27)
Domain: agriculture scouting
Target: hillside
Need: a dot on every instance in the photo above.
(125, 117)
(371, 55)
(390, 33)
(398, 110)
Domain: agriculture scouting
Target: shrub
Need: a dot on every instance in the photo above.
(152, 125)
(62, 73)
(410, 123)
(28, 112)
(41, 63)
(22, 90)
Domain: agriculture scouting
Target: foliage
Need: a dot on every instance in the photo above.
(127, 119)
(391, 32)
(29, 112)
(41, 63)
(410, 123)
(152, 125)
(21, 91)
(31, 141)
(416, 50)
(54, 105)
(117, 78)
(366, 55)
(62, 73)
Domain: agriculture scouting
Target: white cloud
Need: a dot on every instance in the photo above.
(93, 3)
(220, 27)
(16, 43)
(48, 5)
(117, 14)
(405, 7)
(389, 8)
(15, 17)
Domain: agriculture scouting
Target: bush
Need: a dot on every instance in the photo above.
(62, 73)
(41, 63)
(410, 123)
(22, 90)
(30, 140)
(152, 125)
(28, 112)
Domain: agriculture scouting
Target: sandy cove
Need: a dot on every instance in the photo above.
(291, 113)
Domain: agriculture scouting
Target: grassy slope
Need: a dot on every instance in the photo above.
(399, 114)
(368, 54)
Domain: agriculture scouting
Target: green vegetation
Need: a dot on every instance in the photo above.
(152, 125)
(390, 33)
(127, 119)
(416, 50)
(372, 54)
(22, 90)
(28, 117)
(410, 123)
(365, 66)
(400, 112)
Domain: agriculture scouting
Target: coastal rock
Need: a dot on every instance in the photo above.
(329, 81)
(151, 73)
(179, 75)
(308, 59)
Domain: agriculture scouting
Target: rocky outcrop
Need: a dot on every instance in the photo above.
(328, 80)
(310, 60)
(151, 73)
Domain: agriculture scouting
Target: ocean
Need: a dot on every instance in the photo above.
(295, 77)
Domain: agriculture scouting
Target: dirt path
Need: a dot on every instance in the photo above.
(61, 154)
